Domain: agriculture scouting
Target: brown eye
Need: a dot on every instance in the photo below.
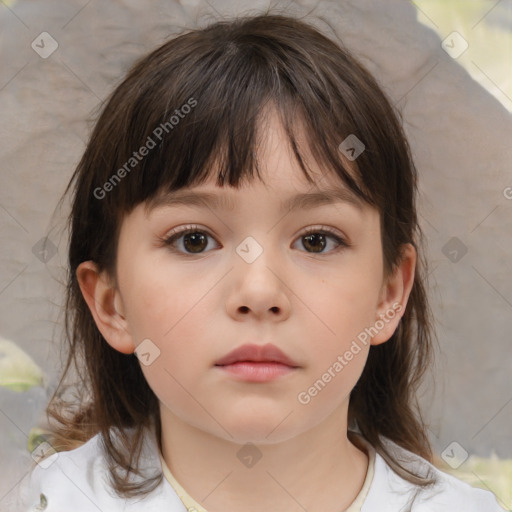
(189, 241)
(322, 240)
(195, 242)
(316, 242)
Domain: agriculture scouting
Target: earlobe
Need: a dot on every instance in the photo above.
(394, 295)
(105, 303)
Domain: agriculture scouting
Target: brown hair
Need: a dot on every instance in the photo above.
(227, 73)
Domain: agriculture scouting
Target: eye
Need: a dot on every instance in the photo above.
(317, 239)
(194, 240)
(190, 240)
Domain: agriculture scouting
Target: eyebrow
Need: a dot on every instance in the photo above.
(306, 200)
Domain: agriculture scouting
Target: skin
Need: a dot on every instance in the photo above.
(198, 307)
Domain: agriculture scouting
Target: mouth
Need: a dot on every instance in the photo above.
(257, 363)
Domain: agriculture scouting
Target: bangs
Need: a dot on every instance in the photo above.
(198, 108)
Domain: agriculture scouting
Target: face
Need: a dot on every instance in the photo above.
(196, 281)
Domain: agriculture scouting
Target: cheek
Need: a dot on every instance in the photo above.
(175, 317)
(159, 299)
(183, 355)
(345, 304)
(346, 308)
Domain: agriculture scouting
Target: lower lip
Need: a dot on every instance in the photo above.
(257, 372)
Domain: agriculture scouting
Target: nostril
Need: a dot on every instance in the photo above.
(244, 309)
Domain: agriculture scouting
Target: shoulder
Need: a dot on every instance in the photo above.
(79, 480)
(389, 492)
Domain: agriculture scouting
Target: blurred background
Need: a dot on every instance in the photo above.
(447, 65)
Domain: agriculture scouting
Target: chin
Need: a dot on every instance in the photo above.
(260, 428)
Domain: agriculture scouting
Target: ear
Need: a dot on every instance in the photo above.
(394, 295)
(106, 306)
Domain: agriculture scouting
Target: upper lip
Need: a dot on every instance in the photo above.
(256, 353)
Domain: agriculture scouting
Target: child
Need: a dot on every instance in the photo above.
(273, 366)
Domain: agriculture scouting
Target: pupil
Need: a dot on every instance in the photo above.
(315, 238)
(196, 239)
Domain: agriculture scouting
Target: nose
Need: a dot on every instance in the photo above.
(259, 289)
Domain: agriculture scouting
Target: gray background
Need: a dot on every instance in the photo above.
(461, 139)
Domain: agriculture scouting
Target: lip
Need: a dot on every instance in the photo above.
(257, 354)
(250, 371)
(256, 363)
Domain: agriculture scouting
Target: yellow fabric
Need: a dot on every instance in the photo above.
(193, 506)
(186, 499)
(357, 504)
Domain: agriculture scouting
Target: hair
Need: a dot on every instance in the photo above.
(229, 73)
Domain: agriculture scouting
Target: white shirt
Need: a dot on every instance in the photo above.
(78, 481)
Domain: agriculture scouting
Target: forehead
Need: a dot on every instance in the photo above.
(225, 198)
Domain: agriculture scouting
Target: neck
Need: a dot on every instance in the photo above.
(317, 470)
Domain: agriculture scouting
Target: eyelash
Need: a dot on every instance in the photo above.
(170, 240)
